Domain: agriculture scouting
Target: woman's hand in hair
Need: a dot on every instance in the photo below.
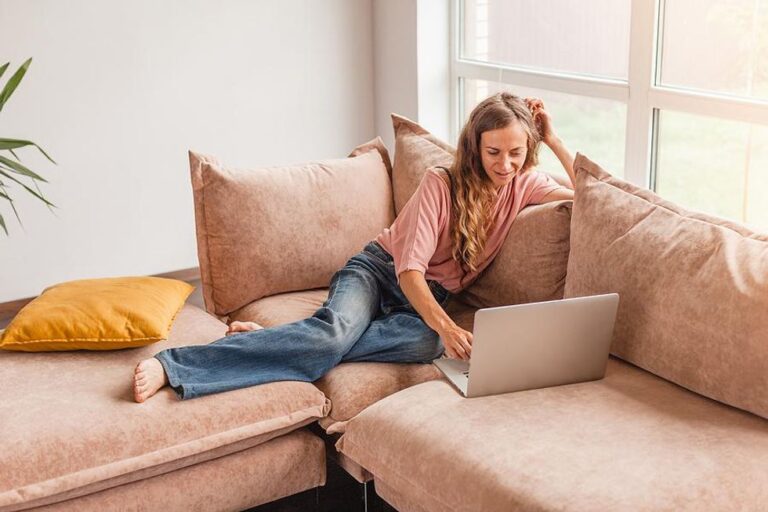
(457, 342)
(542, 119)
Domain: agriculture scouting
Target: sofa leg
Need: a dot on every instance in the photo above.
(365, 496)
(317, 499)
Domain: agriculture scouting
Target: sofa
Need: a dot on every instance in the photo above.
(678, 422)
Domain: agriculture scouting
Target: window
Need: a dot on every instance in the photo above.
(667, 94)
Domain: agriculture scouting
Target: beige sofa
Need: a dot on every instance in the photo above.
(678, 422)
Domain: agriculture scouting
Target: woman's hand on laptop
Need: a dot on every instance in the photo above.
(457, 342)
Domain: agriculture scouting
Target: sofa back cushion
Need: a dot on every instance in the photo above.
(693, 288)
(533, 259)
(532, 262)
(263, 231)
(416, 150)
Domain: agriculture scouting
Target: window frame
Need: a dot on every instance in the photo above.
(642, 93)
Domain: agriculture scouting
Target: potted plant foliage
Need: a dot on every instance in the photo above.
(12, 172)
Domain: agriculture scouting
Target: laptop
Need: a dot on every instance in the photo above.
(536, 345)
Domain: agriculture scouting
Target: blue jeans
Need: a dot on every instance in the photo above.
(366, 318)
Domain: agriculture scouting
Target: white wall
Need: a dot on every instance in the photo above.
(394, 57)
(412, 64)
(117, 93)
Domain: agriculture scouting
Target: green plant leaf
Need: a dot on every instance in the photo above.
(39, 196)
(41, 193)
(13, 206)
(2, 225)
(20, 169)
(10, 144)
(3, 68)
(13, 82)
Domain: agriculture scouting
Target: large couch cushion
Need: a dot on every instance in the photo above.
(286, 465)
(354, 386)
(69, 425)
(282, 308)
(532, 262)
(693, 288)
(631, 441)
(272, 230)
(416, 149)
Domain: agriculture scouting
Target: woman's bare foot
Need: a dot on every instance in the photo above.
(148, 377)
(236, 327)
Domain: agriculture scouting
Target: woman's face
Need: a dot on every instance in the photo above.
(503, 152)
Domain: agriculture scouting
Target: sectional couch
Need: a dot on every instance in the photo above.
(678, 423)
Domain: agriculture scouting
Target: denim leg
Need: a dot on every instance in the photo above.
(304, 350)
(400, 335)
(397, 338)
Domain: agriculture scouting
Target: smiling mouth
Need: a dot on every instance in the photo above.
(503, 174)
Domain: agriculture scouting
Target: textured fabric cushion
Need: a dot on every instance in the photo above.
(532, 262)
(631, 441)
(69, 425)
(282, 308)
(273, 230)
(354, 386)
(415, 151)
(284, 466)
(97, 314)
(693, 288)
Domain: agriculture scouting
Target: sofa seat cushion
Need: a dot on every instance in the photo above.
(631, 441)
(354, 386)
(286, 465)
(282, 308)
(69, 425)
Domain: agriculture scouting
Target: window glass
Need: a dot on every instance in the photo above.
(716, 46)
(714, 166)
(586, 38)
(594, 127)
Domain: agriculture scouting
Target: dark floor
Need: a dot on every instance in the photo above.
(341, 493)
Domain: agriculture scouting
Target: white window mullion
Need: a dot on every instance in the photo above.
(559, 82)
(713, 105)
(455, 42)
(638, 145)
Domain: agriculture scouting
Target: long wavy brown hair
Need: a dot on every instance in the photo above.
(472, 192)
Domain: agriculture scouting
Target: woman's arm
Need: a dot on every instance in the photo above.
(565, 157)
(544, 123)
(457, 341)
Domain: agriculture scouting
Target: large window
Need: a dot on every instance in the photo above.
(668, 94)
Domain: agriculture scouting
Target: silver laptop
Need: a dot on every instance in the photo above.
(537, 345)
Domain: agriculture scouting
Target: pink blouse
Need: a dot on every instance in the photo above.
(419, 238)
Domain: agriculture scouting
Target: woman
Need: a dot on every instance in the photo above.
(386, 303)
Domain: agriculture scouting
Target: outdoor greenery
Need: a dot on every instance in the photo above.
(12, 172)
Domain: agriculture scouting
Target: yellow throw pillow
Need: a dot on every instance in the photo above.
(97, 314)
